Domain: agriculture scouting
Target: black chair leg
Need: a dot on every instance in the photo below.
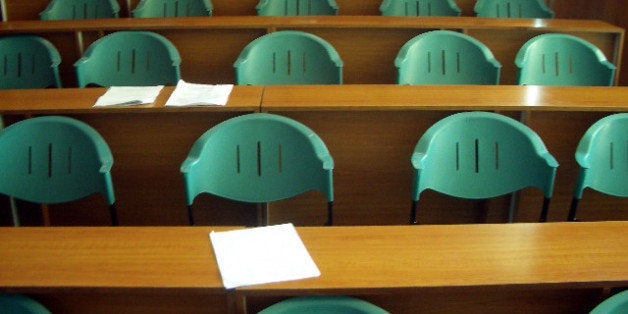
(413, 213)
(572, 209)
(545, 209)
(190, 215)
(330, 214)
(114, 215)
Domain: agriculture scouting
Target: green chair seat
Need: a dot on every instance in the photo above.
(419, 8)
(296, 7)
(616, 304)
(172, 8)
(80, 9)
(20, 304)
(513, 9)
(29, 62)
(323, 305)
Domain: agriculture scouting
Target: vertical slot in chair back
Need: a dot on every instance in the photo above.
(419, 8)
(173, 8)
(28, 62)
(131, 58)
(296, 7)
(563, 60)
(446, 58)
(288, 58)
(80, 9)
(513, 9)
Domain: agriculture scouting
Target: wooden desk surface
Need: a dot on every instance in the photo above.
(358, 259)
(393, 97)
(38, 258)
(81, 100)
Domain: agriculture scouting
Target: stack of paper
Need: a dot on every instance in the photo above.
(128, 95)
(261, 255)
(190, 94)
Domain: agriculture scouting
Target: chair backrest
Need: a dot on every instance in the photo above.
(80, 9)
(419, 8)
(446, 58)
(602, 155)
(513, 9)
(296, 7)
(616, 304)
(323, 305)
(172, 8)
(28, 62)
(288, 58)
(563, 60)
(129, 58)
(480, 155)
(54, 160)
(20, 304)
(258, 158)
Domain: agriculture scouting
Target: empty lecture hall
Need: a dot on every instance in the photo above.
(313, 156)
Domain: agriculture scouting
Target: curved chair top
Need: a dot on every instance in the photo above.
(513, 9)
(563, 60)
(445, 57)
(480, 155)
(172, 8)
(29, 62)
(602, 157)
(288, 58)
(20, 304)
(258, 158)
(296, 7)
(322, 305)
(129, 58)
(616, 304)
(419, 8)
(53, 160)
(80, 9)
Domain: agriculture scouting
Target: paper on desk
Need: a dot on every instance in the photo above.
(190, 94)
(128, 95)
(261, 255)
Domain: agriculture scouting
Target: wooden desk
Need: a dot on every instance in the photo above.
(367, 45)
(148, 143)
(371, 131)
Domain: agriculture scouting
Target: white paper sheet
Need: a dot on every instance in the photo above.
(262, 255)
(128, 95)
(191, 94)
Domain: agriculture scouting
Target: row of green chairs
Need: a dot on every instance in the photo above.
(261, 158)
(296, 58)
(83, 9)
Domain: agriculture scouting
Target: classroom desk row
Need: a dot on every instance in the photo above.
(367, 45)
(488, 268)
(370, 130)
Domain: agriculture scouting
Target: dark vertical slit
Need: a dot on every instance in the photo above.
(69, 159)
(85, 10)
(19, 65)
(406, 8)
(611, 156)
(6, 64)
(259, 158)
(176, 8)
(429, 62)
(418, 8)
(309, 7)
(457, 156)
(429, 9)
(280, 158)
(274, 62)
(133, 61)
(477, 156)
(570, 65)
(74, 12)
(165, 10)
(496, 155)
(497, 10)
(543, 63)
(285, 7)
(238, 158)
(289, 63)
(304, 67)
(49, 160)
(508, 10)
(30, 160)
(443, 63)
(520, 11)
(556, 63)
(458, 62)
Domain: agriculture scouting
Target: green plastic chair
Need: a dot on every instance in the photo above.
(258, 158)
(20, 304)
(446, 58)
(603, 160)
(616, 304)
(172, 8)
(51, 160)
(29, 62)
(419, 8)
(513, 9)
(296, 7)
(80, 9)
(481, 155)
(129, 58)
(323, 305)
(288, 58)
(563, 60)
